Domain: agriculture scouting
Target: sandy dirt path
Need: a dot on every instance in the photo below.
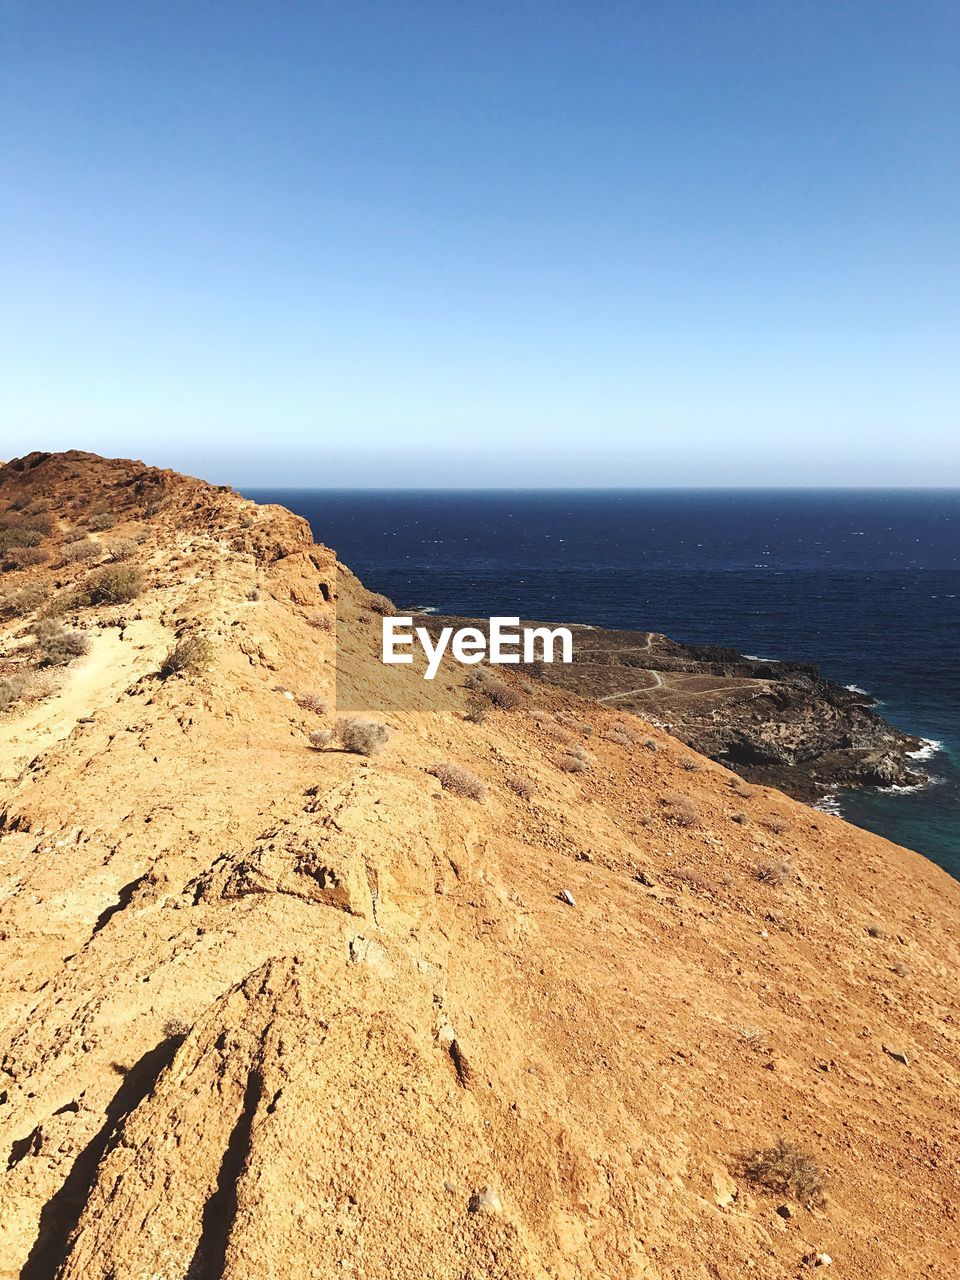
(96, 680)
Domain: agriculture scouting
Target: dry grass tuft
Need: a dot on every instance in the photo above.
(774, 873)
(322, 620)
(520, 786)
(313, 702)
(457, 780)
(776, 823)
(381, 604)
(680, 809)
(787, 1170)
(362, 736)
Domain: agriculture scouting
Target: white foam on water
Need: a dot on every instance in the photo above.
(829, 804)
(930, 748)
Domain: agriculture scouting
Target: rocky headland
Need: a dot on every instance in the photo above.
(779, 723)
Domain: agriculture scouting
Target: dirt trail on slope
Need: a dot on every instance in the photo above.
(117, 657)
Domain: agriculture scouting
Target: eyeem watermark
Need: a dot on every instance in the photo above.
(507, 643)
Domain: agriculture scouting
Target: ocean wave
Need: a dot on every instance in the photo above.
(755, 657)
(829, 804)
(930, 748)
(855, 688)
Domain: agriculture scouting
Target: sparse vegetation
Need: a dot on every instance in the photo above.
(321, 738)
(362, 736)
(622, 733)
(121, 549)
(786, 1169)
(322, 620)
(24, 601)
(741, 788)
(116, 584)
(495, 690)
(740, 819)
(651, 744)
(312, 702)
(12, 689)
(691, 764)
(101, 521)
(457, 780)
(574, 760)
(776, 823)
(189, 656)
(380, 604)
(176, 1029)
(82, 549)
(774, 873)
(876, 931)
(680, 809)
(24, 557)
(477, 711)
(520, 786)
(57, 646)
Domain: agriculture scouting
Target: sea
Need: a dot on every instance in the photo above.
(864, 583)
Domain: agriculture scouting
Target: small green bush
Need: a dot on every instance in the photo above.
(83, 548)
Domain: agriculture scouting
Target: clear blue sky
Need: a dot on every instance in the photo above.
(535, 242)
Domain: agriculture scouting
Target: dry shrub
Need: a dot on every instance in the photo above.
(495, 690)
(477, 711)
(12, 689)
(740, 819)
(57, 646)
(101, 521)
(651, 744)
(24, 557)
(787, 1170)
(876, 931)
(774, 873)
(74, 535)
(362, 736)
(693, 879)
(776, 823)
(681, 809)
(364, 617)
(520, 786)
(622, 733)
(313, 702)
(189, 656)
(322, 620)
(253, 594)
(117, 584)
(741, 788)
(24, 601)
(321, 738)
(121, 549)
(83, 549)
(381, 604)
(457, 780)
(691, 765)
(574, 760)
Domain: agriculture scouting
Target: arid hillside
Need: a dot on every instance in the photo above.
(530, 991)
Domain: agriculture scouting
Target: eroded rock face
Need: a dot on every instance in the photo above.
(300, 1131)
(315, 872)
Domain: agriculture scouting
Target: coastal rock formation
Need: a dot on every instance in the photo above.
(779, 723)
(271, 1008)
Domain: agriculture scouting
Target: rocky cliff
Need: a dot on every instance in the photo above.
(533, 990)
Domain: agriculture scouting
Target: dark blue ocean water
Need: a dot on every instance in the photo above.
(864, 583)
